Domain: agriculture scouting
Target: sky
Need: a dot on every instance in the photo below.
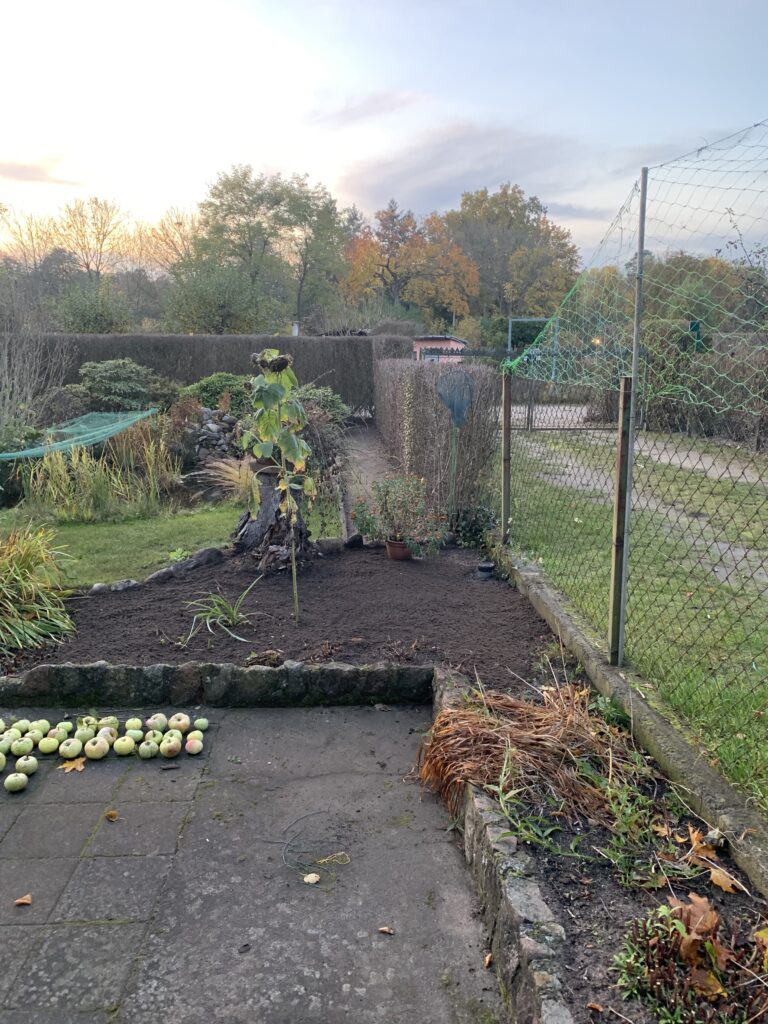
(146, 102)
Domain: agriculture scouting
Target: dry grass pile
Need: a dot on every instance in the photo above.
(552, 753)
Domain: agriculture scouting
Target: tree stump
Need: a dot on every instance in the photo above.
(268, 535)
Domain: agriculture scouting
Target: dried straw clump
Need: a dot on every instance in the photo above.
(557, 751)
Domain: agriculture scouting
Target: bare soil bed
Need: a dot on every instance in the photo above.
(357, 607)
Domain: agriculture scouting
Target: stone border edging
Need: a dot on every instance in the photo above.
(526, 940)
(292, 684)
(718, 803)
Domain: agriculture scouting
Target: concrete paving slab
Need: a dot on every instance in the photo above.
(176, 780)
(78, 968)
(18, 941)
(9, 814)
(141, 830)
(57, 1016)
(44, 879)
(232, 932)
(95, 784)
(113, 889)
(42, 831)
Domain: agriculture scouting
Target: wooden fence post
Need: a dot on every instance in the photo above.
(506, 437)
(618, 562)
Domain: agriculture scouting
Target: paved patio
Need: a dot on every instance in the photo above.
(191, 905)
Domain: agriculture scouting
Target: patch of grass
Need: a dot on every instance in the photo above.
(104, 552)
(133, 548)
(734, 509)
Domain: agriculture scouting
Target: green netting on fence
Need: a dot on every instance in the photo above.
(704, 338)
(93, 428)
(696, 622)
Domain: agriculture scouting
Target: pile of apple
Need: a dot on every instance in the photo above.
(94, 738)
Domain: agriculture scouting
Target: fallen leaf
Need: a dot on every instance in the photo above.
(705, 983)
(75, 765)
(23, 901)
(595, 1007)
(661, 828)
(762, 938)
(382, 707)
(312, 878)
(386, 930)
(111, 815)
(724, 881)
(487, 960)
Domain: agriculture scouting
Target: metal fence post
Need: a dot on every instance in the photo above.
(636, 331)
(618, 543)
(506, 437)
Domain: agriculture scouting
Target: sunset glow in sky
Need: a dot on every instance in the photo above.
(145, 102)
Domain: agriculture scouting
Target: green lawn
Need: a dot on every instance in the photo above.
(702, 643)
(104, 552)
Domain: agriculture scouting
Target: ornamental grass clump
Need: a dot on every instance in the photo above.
(32, 611)
(399, 510)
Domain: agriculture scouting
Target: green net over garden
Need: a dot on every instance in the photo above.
(93, 428)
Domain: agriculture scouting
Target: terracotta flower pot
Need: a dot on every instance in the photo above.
(398, 550)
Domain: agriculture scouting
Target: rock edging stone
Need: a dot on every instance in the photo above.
(292, 684)
(526, 940)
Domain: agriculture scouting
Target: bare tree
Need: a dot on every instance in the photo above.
(94, 231)
(31, 363)
(29, 239)
(172, 239)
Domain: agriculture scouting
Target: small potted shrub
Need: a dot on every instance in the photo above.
(399, 514)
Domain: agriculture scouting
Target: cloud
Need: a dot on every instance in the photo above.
(363, 108)
(41, 172)
(461, 157)
(573, 211)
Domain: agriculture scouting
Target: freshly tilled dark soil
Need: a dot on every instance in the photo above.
(357, 607)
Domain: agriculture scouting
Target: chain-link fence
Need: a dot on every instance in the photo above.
(696, 594)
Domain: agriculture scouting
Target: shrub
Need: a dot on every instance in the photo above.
(116, 385)
(14, 437)
(416, 427)
(121, 385)
(326, 400)
(94, 310)
(399, 510)
(212, 391)
(32, 611)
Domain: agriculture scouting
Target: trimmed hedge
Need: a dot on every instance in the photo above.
(344, 364)
(416, 427)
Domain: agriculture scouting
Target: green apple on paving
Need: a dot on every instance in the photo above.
(96, 748)
(16, 782)
(71, 748)
(27, 765)
(21, 747)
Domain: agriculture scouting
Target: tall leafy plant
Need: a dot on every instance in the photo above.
(274, 435)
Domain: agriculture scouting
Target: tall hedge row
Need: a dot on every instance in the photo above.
(344, 364)
(415, 425)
